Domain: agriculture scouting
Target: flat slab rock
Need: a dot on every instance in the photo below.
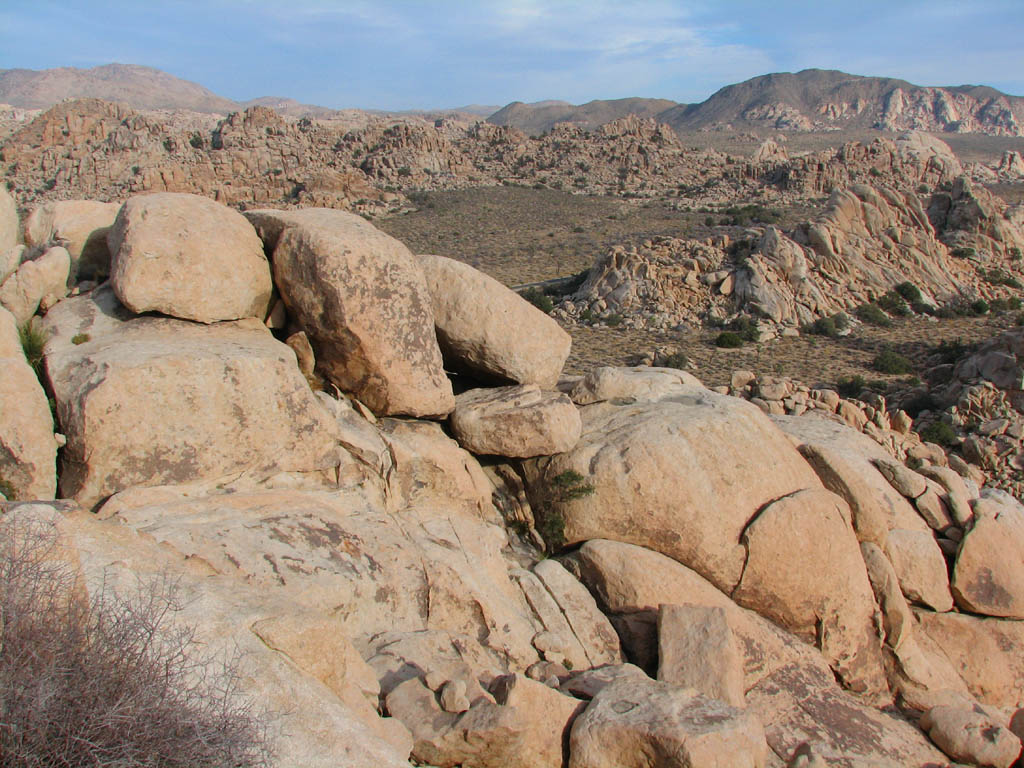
(517, 421)
(153, 401)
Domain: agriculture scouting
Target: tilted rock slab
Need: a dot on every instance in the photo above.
(188, 257)
(489, 331)
(683, 475)
(81, 226)
(642, 383)
(517, 422)
(28, 451)
(151, 401)
(988, 577)
(971, 736)
(633, 723)
(35, 282)
(361, 297)
(697, 649)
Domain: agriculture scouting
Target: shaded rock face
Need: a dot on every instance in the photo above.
(81, 226)
(28, 451)
(689, 461)
(475, 315)
(188, 257)
(150, 400)
(361, 298)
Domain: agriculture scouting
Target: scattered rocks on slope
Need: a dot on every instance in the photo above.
(189, 257)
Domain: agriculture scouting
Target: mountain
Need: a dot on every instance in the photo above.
(140, 87)
(540, 116)
(817, 99)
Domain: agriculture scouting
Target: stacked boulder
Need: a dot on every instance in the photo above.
(777, 582)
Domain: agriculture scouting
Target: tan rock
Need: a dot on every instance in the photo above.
(28, 451)
(362, 299)
(958, 498)
(81, 226)
(188, 257)
(902, 478)
(696, 649)
(827, 599)
(988, 577)
(474, 313)
(933, 508)
(300, 345)
(35, 282)
(971, 736)
(690, 461)
(634, 724)
(520, 421)
(987, 653)
(640, 383)
(920, 567)
(10, 260)
(558, 640)
(8, 219)
(149, 401)
(548, 715)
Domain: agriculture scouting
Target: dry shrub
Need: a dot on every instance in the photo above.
(108, 680)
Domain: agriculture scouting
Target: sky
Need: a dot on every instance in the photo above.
(424, 54)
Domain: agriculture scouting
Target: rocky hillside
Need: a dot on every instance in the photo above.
(535, 119)
(432, 546)
(815, 100)
(141, 87)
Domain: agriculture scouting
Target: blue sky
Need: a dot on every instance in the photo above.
(416, 54)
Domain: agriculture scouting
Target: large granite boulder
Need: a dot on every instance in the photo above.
(81, 226)
(361, 297)
(989, 574)
(490, 332)
(189, 257)
(150, 401)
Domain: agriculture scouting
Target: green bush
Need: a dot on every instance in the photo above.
(940, 433)
(949, 352)
(894, 304)
(80, 338)
(614, 320)
(33, 342)
(921, 402)
(829, 326)
(675, 360)
(889, 361)
(7, 490)
(979, 307)
(963, 253)
(851, 386)
(539, 299)
(563, 488)
(729, 340)
(873, 315)
(909, 292)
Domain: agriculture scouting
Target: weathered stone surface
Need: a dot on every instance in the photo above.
(958, 498)
(293, 676)
(798, 705)
(987, 653)
(920, 567)
(591, 627)
(43, 280)
(10, 260)
(149, 401)
(548, 716)
(828, 598)
(519, 421)
(988, 577)
(188, 257)
(693, 462)
(971, 736)
(635, 724)
(903, 479)
(475, 316)
(557, 643)
(28, 452)
(696, 649)
(362, 299)
(634, 582)
(81, 226)
(641, 383)
(8, 219)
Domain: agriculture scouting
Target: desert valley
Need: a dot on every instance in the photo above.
(630, 433)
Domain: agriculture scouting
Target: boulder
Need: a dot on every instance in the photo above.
(189, 257)
(988, 577)
(8, 219)
(634, 724)
(474, 315)
(958, 498)
(693, 462)
(361, 297)
(823, 595)
(697, 649)
(920, 567)
(549, 715)
(987, 653)
(902, 478)
(971, 736)
(10, 260)
(149, 401)
(42, 281)
(81, 226)
(28, 451)
(640, 383)
(516, 421)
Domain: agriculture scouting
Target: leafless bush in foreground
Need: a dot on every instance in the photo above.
(107, 681)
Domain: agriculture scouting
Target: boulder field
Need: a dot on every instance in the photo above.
(364, 469)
